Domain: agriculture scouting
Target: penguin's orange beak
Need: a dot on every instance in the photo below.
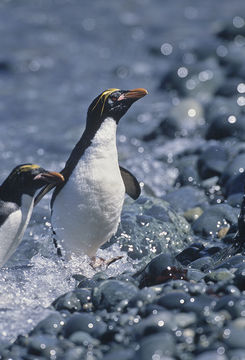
(134, 94)
(50, 177)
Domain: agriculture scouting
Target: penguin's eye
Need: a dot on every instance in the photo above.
(113, 98)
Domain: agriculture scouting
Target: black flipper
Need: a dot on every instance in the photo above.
(131, 183)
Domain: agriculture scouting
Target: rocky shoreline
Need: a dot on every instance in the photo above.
(179, 291)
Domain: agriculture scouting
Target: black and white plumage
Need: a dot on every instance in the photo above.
(16, 204)
(86, 209)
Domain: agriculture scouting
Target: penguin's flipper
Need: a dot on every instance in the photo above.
(43, 192)
(131, 184)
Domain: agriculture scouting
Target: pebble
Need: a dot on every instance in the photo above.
(91, 324)
(190, 196)
(212, 161)
(74, 300)
(214, 218)
(110, 293)
(156, 345)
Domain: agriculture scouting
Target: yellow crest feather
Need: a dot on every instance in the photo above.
(104, 97)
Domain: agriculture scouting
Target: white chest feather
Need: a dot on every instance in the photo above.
(86, 212)
(12, 231)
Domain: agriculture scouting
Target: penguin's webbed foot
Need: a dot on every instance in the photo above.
(97, 262)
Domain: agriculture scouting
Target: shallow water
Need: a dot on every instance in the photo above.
(56, 56)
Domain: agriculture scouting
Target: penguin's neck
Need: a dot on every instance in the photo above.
(99, 143)
(104, 140)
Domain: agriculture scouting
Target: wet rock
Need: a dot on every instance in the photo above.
(74, 300)
(193, 214)
(161, 322)
(235, 185)
(43, 345)
(212, 161)
(91, 324)
(203, 264)
(158, 344)
(201, 79)
(224, 126)
(187, 176)
(233, 337)
(51, 325)
(185, 198)
(74, 354)
(84, 339)
(214, 219)
(161, 269)
(233, 28)
(174, 300)
(201, 304)
(208, 355)
(232, 262)
(229, 87)
(110, 293)
(239, 278)
(220, 275)
(184, 320)
(157, 229)
(237, 354)
(91, 283)
(120, 354)
(233, 304)
(143, 297)
(190, 253)
(233, 168)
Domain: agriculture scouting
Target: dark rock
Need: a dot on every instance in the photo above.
(234, 337)
(194, 80)
(190, 253)
(230, 30)
(234, 167)
(110, 293)
(187, 176)
(214, 219)
(236, 354)
(232, 262)
(157, 229)
(185, 198)
(229, 87)
(43, 345)
(201, 304)
(161, 322)
(161, 269)
(76, 353)
(174, 300)
(51, 325)
(221, 274)
(233, 304)
(160, 344)
(203, 263)
(212, 161)
(211, 354)
(74, 300)
(120, 354)
(224, 126)
(195, 275)
(88, 323)
(143, 297)
(84, 339)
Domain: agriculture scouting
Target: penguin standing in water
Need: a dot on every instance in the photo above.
(16, 204)
(86, 208)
